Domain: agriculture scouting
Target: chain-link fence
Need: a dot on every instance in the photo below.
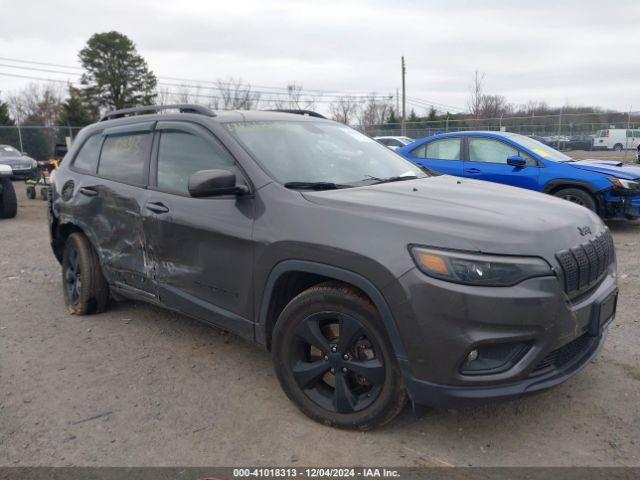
(540, 125)
(36, 141)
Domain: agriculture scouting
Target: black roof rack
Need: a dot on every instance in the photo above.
(182, 107)
(308, 113)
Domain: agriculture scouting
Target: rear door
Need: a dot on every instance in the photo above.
(443, 156)
(202, 247)
(119, 191)
(487, 160)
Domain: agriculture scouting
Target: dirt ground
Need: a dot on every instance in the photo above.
(139, 386)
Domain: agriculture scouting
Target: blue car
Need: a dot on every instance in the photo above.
(612, 189)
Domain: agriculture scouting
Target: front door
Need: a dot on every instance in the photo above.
(487, 160)
(202, 247)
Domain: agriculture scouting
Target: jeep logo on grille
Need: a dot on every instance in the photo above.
(584, 231)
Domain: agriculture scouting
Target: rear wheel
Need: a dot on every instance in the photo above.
(334, 361)
(8, 200)
(617, 147)
(85, 288)
(31, 192)
(577, 196)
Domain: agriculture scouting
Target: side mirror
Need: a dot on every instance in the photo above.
(211, 183)
(516, 161)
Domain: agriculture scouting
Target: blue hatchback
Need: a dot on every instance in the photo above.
(612, 189)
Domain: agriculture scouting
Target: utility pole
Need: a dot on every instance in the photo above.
(404, 100)
(397, 101)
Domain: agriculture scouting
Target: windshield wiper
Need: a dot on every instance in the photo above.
(314, 185)
(395, 179)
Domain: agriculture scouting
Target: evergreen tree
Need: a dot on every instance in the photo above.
(116, 76)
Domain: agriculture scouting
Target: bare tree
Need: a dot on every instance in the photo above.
(38, 103)
(375, 111)
(344, 109)
(236, 95)
(494, 106)
(295, 99)
(475, 99)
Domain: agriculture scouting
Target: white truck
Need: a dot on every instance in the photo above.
(616, 139)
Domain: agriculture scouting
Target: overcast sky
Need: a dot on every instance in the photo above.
(576, 52)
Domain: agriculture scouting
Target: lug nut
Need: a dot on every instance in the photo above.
(326, 358)
(345, 356)
(344, 369)
(334, 349)
(333, 370)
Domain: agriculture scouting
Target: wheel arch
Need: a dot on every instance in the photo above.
(312, 273)
(556, 185)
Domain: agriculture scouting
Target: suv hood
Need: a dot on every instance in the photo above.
(612, 168)
(456, 213)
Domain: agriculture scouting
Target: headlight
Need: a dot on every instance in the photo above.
(625, 184)
(478, 269)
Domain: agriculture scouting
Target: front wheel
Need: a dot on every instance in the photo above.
(85, 288)
(334, 361)
(577, 196)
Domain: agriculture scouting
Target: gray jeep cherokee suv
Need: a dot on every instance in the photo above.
(370, 280)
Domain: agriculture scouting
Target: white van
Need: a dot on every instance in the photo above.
(616, 139)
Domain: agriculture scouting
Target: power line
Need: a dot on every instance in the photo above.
(262, 89)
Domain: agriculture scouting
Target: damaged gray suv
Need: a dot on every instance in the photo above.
(371, 281)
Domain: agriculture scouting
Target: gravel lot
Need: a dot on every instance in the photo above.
(140, 386)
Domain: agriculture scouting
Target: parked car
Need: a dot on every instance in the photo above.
(580, 142)
(23, 166)
(538, 138)
(368, 279)
(617, 139)
(8, 201)
(394, 142)
(609, 188)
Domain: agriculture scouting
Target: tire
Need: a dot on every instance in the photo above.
(8, 200)
(43, 193)
(580, 197)
(617, 147)
(308, 333)
(31, 192)
(85, 289)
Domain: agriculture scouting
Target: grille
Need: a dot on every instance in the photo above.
(564, 355)
(584, 265)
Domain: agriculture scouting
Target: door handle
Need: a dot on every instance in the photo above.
(89, 192)
(472, 170)
(157, 207)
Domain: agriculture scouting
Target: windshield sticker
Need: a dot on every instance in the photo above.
(540, 152)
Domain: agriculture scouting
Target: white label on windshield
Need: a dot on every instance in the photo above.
(8, 149)
(357, 135)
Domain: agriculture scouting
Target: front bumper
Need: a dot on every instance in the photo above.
(622, 205)
(441, 322)
(24, 174)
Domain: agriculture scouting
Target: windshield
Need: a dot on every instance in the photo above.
(314, 152)
(539, 148)
(406, 140)
(7, 151)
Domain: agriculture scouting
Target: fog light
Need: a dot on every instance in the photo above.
(493, 358)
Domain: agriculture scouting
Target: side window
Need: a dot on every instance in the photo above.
(629, 134)
(448, 149)
(487, 150)
(87, 158)
(181, 154)
(123, 158)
